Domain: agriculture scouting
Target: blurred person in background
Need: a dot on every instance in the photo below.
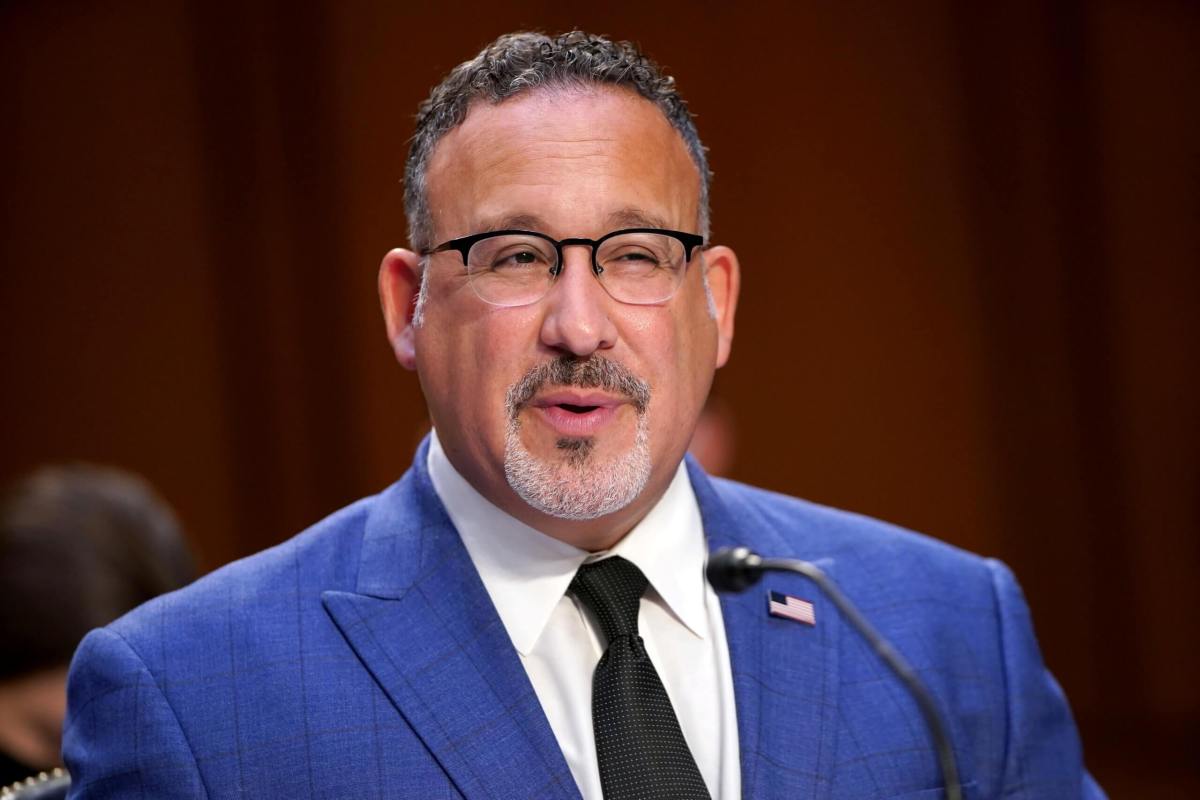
(79, 546)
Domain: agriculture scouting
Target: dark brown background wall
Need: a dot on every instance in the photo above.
(968, 232)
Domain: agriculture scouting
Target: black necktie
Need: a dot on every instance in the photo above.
(640, 748)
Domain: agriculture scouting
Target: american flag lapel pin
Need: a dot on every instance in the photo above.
(788, 607)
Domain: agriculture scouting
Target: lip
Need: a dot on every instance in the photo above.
(573, 397)
(602, 410)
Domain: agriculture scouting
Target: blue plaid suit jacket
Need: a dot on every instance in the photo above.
(364, 659)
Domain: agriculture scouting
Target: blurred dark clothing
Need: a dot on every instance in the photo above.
(12, 770)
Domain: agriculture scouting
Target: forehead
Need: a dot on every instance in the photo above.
(565, 157)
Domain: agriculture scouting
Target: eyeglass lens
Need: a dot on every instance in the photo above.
(515, 269)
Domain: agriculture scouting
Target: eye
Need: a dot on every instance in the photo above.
(517, 259)
(509, 254)
(632, 260)
(640, 255)
(636, 256)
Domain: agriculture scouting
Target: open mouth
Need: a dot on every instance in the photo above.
(574, 409)
(576, 413)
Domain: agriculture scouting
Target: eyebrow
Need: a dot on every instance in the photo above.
(523, 222)
(628, 217)
(633, 217)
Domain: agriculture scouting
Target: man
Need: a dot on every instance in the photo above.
(524, 614)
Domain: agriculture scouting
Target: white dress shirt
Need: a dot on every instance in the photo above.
(527, 573)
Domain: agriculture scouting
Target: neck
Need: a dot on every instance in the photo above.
(592, 535)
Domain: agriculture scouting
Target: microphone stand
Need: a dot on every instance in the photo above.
(736, 569)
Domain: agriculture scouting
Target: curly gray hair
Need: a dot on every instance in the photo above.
(518, 62)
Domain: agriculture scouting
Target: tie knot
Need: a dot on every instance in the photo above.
(613, 589)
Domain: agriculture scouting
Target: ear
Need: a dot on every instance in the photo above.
(399, 285)
(724, 281)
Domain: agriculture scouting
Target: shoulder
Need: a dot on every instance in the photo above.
(260, 591)
(959, 618)
(866, 554)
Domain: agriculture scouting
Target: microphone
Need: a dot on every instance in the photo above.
(735, 569)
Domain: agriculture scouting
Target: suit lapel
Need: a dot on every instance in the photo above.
(785, 673)
(422, 623)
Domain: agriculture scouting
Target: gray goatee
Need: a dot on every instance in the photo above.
(576, 485)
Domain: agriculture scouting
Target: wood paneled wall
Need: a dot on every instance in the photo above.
(968, 232)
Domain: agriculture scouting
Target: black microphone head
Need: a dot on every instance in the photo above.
(733, 569)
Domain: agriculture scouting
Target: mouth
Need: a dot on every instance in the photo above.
(576, 413)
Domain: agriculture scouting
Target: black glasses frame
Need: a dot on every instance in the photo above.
(463, 245)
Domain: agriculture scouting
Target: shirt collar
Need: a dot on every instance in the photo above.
(527, 572)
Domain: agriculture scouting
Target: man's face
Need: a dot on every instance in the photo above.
(588, 398)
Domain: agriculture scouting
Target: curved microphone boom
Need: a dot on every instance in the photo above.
(735, 569)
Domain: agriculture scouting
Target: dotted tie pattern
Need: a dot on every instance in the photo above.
(639, 745)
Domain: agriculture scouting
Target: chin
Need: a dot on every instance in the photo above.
(576, 479)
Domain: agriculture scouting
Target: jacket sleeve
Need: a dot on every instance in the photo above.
(1043, 756)
(122, 738)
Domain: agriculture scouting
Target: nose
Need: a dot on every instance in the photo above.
(578, 312)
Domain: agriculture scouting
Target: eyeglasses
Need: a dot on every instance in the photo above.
(641, 266)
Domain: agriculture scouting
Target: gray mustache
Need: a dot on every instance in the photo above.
(593, 372)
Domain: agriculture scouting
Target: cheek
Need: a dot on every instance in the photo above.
(469, 357)
(676, 353)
